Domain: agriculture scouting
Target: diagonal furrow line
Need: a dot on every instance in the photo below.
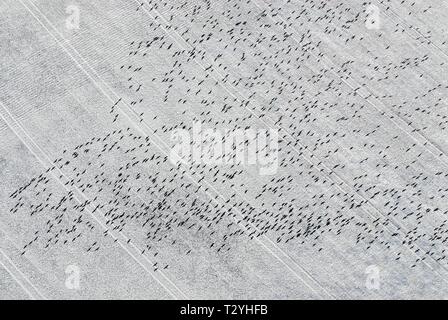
(272, 245)
(403, 22)
(14, 243)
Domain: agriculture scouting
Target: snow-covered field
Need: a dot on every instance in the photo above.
(93, 92)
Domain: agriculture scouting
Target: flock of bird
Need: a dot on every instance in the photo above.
(361, 117)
